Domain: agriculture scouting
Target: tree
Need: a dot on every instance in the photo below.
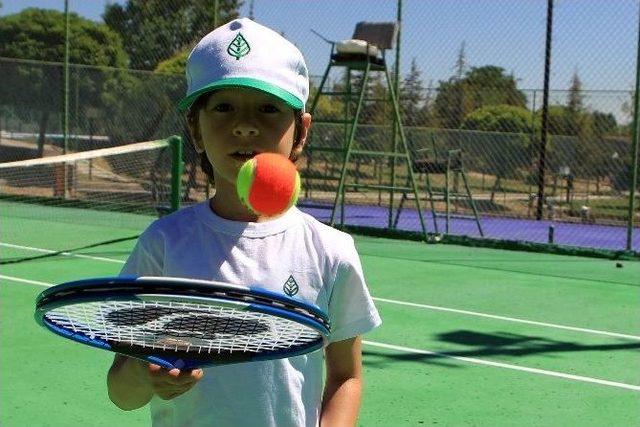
(583, 153)
(376, 108)
(428, 113)
(177, 64)
(577, 135)
(559, 120)
(461, 62)
(412, 97)
(328, 107)
(628, 108)
(155, 30)
(480, 87)
(506, 143)
(604, 123)
(575, 106)
(38, 34)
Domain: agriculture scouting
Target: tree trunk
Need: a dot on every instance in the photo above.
(497, 184)
(44, 118)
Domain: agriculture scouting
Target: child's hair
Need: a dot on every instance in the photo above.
(193, 122)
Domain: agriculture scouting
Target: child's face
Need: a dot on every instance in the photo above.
(236, 124)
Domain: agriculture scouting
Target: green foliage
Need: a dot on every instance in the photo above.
(575, 98)
(177, 64)
(481, 86)
(507, 141)
(380, 110)
(38, 88)
(376, 109)
(578, 137)
(39, 34)
(327, 108)
(412, 97)
(155, 30)
(559, 120)
(563, 121)
(142, 105)
(170, 72)
(604, 123)
(500, 118)
(628, 108)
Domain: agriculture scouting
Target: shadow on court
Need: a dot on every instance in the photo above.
(496, 344)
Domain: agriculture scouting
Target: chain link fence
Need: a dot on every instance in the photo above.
(470, 85)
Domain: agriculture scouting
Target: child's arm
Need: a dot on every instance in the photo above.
(343, 387)
(132, 383)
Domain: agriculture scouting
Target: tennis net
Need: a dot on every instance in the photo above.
(92, 196)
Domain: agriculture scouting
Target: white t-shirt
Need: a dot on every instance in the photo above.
(196, 243)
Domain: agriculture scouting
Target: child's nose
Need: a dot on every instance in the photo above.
(245, 130)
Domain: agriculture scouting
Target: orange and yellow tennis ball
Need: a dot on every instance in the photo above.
(268, 184)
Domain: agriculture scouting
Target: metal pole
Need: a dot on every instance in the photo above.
(545, 112)
(65, 106)
(634, 150)
(396, 122)
(65, 119)
(396, 83)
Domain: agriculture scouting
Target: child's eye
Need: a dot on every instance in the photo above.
(269, 108)
(223, 107)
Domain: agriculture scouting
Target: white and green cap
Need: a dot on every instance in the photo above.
(243, 53)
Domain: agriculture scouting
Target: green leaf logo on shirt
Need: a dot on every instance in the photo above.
(238, 47)
(290, 287)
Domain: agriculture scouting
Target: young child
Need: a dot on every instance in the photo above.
(247, 87)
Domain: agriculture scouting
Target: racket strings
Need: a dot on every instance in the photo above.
(180, 326)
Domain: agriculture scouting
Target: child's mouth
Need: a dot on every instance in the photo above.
(243, 155)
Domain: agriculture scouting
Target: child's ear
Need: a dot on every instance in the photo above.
(197, 143)
(301, 140)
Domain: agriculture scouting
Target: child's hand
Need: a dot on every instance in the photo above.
(168, 384)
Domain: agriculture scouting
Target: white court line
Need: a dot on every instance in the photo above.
(510, 319)
(30, 282)
(410, 304)
(505, 366)
(433, 353)
(49, 251)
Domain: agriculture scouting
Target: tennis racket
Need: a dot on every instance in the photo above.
(182, 323)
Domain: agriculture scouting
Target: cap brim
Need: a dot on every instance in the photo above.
(260, 85)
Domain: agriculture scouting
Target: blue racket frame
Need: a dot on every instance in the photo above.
(126, 288)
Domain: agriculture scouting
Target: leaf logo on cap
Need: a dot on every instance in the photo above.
(238, 47)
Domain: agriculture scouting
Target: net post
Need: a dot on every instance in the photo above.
(176, 171)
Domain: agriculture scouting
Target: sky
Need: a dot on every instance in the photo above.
(597, 39)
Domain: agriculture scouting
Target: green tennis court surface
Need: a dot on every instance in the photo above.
(471, 337)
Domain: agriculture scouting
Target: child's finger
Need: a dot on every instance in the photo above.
(154, 369)
(175, 372)
(188, 378)
(171, 376)
(196, 374)
(176, 376)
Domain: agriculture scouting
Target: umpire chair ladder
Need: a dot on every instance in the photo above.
(424, 164)
(379, 37)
